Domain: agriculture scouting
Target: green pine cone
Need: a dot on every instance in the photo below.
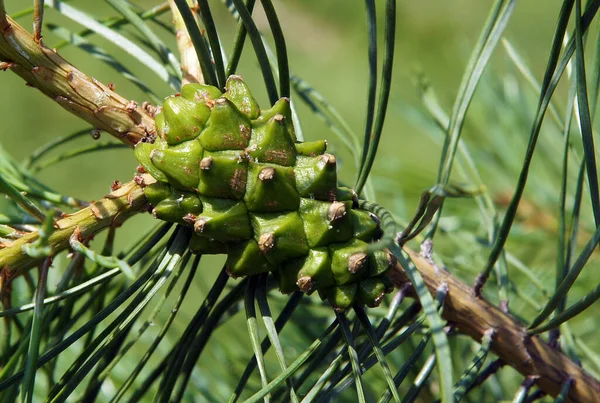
(238, 176)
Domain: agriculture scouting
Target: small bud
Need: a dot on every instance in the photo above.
(328, 159)
(305, 284)
(206, 163)
(189, 218)
(199, 225)
(266, 242)
(131, 106)
(357, 262)
(311, 148)
(266, 174)
(6, 65)
(116, 185)
(337, 210)
(150, 109)
(139, 179)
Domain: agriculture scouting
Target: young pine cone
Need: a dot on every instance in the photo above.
(251, 191)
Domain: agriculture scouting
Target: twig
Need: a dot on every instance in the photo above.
(3, 22)
(190, 67)
(111, 210)
(78, 93)
(529, 355)
(38, 18)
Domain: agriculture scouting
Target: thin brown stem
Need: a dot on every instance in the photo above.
(190, 66)
(4, 25)
(473, 316)
(78, 93)
(38, 19)
(113, 209)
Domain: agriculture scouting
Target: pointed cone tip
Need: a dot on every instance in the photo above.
(266, 242)
(357, 262)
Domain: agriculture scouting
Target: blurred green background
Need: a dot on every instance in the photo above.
(327, 48)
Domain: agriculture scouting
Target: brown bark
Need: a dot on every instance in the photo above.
(529, 355)
(78, 93)
(111, 210)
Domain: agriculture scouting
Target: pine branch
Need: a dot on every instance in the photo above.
(113, 209)
(78, 93)
(473, 316)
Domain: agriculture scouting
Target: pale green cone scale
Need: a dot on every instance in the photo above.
(311, 148)
(282, 107)
(168, 210)
(177, 206)
(272, 143)
(271, 188)
(245, 259)
(227, 128)
(326, 223)
(365, 228)
(280, 236)
(381, 262)
(316, 272)
(223, 220)
(184, 119)
(223, 174)
(142, 153)
(238, 177)
(180, 164)
(287, 276)
(349, 261)
(239, 93)
(190, 203)
(340, 297)
(200, 93)
(202, 245)
(157, 192)
(371, 291)
(316, 177)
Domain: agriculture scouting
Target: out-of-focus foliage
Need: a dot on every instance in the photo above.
(327, 46)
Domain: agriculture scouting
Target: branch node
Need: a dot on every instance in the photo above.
(75, 236)
(6, 65)
(478, 285)
(97, 213)
(115, 185)
(503, 305)
(131, 106)
(5, 26)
